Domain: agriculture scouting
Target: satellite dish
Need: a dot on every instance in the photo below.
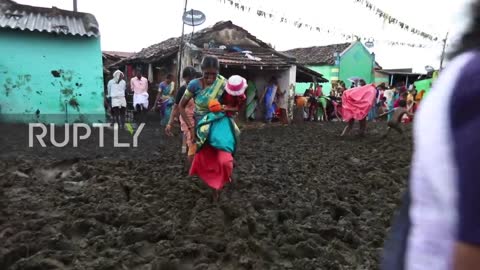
(194, 17)
(429, 69)
(369, 44)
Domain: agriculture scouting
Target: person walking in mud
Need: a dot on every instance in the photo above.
(213, 162)
(396, 120)
(268, 99)
(438, 225)
(282, 102)
(139, 87)
(188, 74)
(356, 103)
(165, 100)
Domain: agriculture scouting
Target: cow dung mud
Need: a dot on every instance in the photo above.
(302, 198)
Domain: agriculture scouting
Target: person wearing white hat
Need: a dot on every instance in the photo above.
(234, 96)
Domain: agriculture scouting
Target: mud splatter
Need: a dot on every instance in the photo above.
(67, 92)
(73, 102)
(56, 73)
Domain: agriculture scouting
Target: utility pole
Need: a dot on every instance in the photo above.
(75, 9)
(180, 51)
(443, 51)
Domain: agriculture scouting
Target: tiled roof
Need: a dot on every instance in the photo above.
(318, 55)
(51, 20)
(261, 56)
(118, 54)
(171, 46)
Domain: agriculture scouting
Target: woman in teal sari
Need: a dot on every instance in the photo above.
(213, 162)
(165, 98)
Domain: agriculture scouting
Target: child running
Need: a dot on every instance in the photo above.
(396, 120)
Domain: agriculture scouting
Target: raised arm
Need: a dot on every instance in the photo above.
(385, 113)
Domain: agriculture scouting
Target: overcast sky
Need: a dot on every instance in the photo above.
(145, 22)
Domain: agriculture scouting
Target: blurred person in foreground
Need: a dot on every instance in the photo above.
(438, 226)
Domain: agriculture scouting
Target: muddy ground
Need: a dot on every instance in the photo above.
(302, 198)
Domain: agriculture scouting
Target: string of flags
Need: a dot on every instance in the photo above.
(391, 20)
(301, 25)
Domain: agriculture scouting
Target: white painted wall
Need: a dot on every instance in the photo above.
(286, 79)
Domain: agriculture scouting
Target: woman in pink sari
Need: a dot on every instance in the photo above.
(356, 103)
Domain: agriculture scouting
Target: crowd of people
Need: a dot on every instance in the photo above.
(206, 105)
(396, 105)
(437, 225)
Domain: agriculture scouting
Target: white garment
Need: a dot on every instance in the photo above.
(433, 183)
(116, 85)
(388, 94)
(119, 102)
(109, 88)
(117, 89)
(140, 99)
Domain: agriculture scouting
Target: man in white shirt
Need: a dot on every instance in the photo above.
(139, 87)
(116, 91)
(388, 94)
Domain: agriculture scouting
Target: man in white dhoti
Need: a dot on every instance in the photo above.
(139, 87)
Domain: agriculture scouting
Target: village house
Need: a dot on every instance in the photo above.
(50, 65)
(336, 62)
(109, 58)
(238, 51)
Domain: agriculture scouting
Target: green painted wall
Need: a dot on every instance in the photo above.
(424, 85)
(55, 74)
(356, 62)
(327, 73)
(382, 78)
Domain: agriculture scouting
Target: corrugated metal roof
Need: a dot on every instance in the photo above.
(51, 20)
